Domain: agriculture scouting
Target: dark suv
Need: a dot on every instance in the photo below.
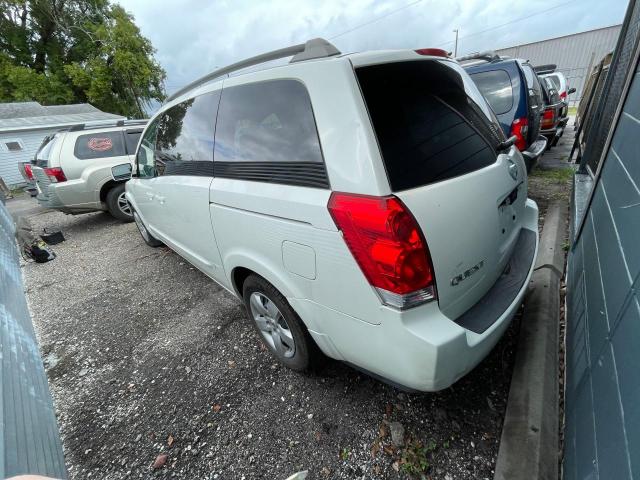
(514, 92)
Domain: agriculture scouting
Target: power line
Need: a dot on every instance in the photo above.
(381, 17)
(509, 22)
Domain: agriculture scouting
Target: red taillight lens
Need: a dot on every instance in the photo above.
(563, 95)
(388, 245)
(519, 128)
(547, 119)
(28, 171)
(56, 175)
(434, 52)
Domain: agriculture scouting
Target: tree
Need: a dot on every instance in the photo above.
(65, 51)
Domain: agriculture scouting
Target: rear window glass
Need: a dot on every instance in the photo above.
(555, 80)
(496, 87)
(431, 121)
(44, 152)
(99, 145)
(531, 77)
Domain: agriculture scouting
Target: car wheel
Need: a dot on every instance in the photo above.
(118, 205)
(146, 236)
(279, 327)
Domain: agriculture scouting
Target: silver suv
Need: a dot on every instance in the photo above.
(84, 168)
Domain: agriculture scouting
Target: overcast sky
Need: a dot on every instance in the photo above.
(193, 37)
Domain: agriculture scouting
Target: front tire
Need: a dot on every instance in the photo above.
(144, 233)
(118, 205)
(278, 326)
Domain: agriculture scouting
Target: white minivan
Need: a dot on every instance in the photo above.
(366, 207)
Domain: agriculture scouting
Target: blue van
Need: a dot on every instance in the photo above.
(514, 92)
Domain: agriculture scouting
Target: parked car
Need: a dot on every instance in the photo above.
(558, 79)
(555, 115)
(513, 90)
(364, 206)
(84, 168)
(30, 184)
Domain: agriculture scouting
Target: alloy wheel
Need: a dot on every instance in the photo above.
(123, 204)
(272, 325)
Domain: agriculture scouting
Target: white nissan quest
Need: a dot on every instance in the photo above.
(366, 207)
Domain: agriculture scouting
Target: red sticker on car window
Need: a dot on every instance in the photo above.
(100, 144)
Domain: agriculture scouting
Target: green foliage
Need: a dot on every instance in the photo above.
(414, 459)
(65, 51)
(344, 454)
(556, 175)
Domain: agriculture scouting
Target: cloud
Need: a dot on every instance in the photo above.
(194, 37)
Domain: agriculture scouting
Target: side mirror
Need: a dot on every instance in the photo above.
(571, 90)
(508, 143)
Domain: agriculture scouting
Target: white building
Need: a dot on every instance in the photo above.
(23, 126)
(575, 55)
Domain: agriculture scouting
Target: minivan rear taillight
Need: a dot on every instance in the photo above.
(388, 245)
(56, 175)
(519, 128)
(563, 95)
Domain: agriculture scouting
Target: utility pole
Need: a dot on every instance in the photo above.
(455, 48)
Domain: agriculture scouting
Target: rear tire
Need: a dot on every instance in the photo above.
(278, 326)
(144, 233)
(117, 204)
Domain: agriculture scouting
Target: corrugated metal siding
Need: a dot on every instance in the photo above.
(575, 54)
(603, 317)
(29, 437)
(9, 160)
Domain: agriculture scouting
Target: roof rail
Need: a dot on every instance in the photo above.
(315, 48)
(109, 124)
(487, 55)
(542, 69)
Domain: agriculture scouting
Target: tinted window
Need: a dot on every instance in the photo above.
(428, 127)
(496, 87)
(267, 122)
(44, 152)
(555, 80)
(99, 145)
(184, 143)
(145, 155)
(531, 77)
(131, 141)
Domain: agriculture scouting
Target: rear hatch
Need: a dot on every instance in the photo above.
(438, 139)
(535, 103)
(39, 163)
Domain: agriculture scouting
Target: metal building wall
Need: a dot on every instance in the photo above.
(575, 55)
(602, 390)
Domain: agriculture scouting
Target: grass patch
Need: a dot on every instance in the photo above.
(414, 460)
(557, 175)
(573, 111)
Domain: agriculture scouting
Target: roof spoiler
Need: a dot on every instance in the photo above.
(542, 69)
(315, 48)
(487, 55)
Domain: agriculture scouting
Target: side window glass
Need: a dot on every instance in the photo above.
(184, 143)
(145, 154)
(269, 122)
(99, 145)
(131, 141)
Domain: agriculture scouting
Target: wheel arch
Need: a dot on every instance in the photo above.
(104, 189)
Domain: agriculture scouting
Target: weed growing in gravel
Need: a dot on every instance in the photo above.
(414, 457)
(344, 454)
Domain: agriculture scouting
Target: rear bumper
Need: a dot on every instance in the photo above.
(52, 197)
(534, 152)
(421, 349)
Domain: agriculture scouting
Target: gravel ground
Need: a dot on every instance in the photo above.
(147, 357)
